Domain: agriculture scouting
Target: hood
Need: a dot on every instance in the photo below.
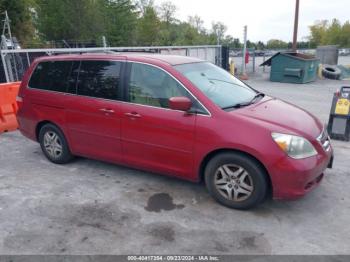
(284, 115)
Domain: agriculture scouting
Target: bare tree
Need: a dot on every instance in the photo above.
(196, 22)
(219, 29)
(167, 12)
(143, 4)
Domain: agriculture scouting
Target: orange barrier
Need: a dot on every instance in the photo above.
(8, 106)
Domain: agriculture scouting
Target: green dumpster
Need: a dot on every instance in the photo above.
(292, 68)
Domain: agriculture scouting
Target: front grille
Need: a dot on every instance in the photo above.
(324, 140)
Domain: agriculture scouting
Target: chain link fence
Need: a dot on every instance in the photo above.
(16, 61)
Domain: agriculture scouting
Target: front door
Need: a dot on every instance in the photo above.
(154, 136)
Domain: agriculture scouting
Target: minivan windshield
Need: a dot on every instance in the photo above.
(219, 86)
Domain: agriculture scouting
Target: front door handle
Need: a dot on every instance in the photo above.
(107, 111)
(133, 115)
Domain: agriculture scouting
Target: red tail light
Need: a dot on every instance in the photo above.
(19, 99)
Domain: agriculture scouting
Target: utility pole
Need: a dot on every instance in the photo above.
(296, 21)
(218, 36)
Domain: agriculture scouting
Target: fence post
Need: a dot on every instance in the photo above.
(244, 74)
(264, 57)
(244, 49)
(104, 42)
(254, 61)
(4, 65)
(14, 65)
(28, 60)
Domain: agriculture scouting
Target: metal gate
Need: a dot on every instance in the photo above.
(236, 56)
(16, 61)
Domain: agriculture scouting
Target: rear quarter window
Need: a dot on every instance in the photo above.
(51, 75)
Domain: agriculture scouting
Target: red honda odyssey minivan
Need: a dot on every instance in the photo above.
(173, 115)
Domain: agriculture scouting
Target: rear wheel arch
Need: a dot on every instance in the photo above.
(216, 152)
(43, 123)
(39, 126)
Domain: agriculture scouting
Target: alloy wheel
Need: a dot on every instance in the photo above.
(53, 144)
(233, 182)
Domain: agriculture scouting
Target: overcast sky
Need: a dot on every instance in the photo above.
(266, 19)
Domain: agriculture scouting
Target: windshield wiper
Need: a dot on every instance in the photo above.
(256, 97)
(243, 104)
(238, 105)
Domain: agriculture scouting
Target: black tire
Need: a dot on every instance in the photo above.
(65, 156)
(331, 72)
(258, 178)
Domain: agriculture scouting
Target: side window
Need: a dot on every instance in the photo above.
(52, 75)
(99, 79)
(151, 86)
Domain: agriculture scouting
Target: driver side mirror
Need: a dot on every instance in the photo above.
(181, 103)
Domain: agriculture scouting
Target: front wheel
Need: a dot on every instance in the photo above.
(236, 180)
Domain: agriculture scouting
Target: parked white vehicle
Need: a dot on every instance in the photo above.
(344, 52)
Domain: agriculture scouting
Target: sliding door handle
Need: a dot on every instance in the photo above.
(107, 111)
(133, 115)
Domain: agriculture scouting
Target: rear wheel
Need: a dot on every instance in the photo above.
(54, 145)
(236, 180)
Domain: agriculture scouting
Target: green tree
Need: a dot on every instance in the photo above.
(20, 13)
(236, 43)
(333, 33)
(276, 44)
(330, 33)
(250, 44)
(260, 45)
(69, 20)
(167, 33)
(228, 39)
(318, 32)
(345, 36)
(148, 27)
(119, 21)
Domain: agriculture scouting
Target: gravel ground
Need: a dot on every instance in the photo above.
(91, 207)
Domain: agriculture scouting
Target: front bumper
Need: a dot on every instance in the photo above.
(292, 179)
(330, 164)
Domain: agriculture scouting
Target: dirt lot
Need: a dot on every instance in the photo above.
(90, 207)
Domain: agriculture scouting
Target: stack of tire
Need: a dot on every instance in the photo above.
(331, 72)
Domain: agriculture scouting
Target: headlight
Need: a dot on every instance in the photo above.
(294, 146)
